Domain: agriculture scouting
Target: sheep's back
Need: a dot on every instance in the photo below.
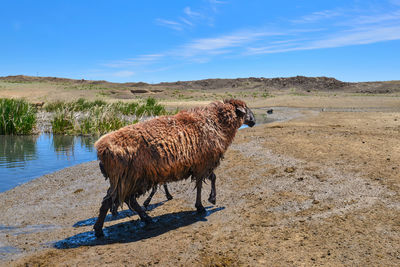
(163, 149)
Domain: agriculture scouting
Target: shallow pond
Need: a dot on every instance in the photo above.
(23, 158)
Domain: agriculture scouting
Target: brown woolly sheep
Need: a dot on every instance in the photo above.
(166, 149)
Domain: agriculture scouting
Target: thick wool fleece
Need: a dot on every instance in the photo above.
(167, 148)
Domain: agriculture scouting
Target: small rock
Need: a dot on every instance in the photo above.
(315, 202)
(290, 169)
(78, 191)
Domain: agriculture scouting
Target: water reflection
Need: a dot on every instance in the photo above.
(16, 150)
(63, 145)
(23, 158)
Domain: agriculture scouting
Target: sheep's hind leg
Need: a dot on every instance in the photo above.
(105, 206)
(114, 209)
(213, 193)
(148, 199)
(167, 194)
(142, 214)
(199, 205)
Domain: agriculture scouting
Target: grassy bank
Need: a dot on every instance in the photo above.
(80, 117)
(17, 116)
(98, 117)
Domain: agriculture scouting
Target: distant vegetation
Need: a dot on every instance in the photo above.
(17, 116)
(97, 117)
(80, 117)
(79, 105)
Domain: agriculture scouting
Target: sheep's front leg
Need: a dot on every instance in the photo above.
(105, 206)
(199, 205)
(213, 193)
(148, 199)
(167, 194)
(142, 214)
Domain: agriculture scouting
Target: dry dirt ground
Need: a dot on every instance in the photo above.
(321, 189)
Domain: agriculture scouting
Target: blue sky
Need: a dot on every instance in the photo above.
(155, 41)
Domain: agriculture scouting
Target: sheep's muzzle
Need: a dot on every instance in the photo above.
(249, 118)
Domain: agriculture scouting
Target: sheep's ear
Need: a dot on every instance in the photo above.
(241, 110)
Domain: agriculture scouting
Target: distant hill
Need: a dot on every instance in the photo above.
(298, 83)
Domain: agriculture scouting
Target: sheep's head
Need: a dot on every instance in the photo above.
(243, 111)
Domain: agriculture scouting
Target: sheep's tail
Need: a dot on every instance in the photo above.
(110, 167)
(103, 171)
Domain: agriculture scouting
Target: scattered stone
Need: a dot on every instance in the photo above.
(290, 169)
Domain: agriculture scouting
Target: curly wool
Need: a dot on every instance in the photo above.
(167, 148)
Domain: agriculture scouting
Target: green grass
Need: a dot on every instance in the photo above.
(78, 105)
(17, 116)
(97, 117)
(150, 107)
(63, 122)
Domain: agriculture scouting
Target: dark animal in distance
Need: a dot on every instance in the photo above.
(165, 149)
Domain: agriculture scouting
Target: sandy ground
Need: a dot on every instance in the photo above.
(321, 189)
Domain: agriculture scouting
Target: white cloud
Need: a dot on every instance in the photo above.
(345, 38)
(123, 73)
(138, 61)
(170, 24)
(190, 18)
(217, 2)
(378, 18)
(319, 30)
(188, 11)
(187, 22)
(317, 16)
(219, 45)
(360, 36)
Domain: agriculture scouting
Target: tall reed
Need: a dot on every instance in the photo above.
(17, 116)
(97, 117)
(63, 122)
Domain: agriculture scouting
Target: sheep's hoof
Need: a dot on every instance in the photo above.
(169, 197)
(212, 200)
(201, 210)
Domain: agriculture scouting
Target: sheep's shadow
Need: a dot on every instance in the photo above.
(121, 215)
(136, 230)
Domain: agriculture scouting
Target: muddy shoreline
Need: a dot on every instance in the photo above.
(319, 189)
